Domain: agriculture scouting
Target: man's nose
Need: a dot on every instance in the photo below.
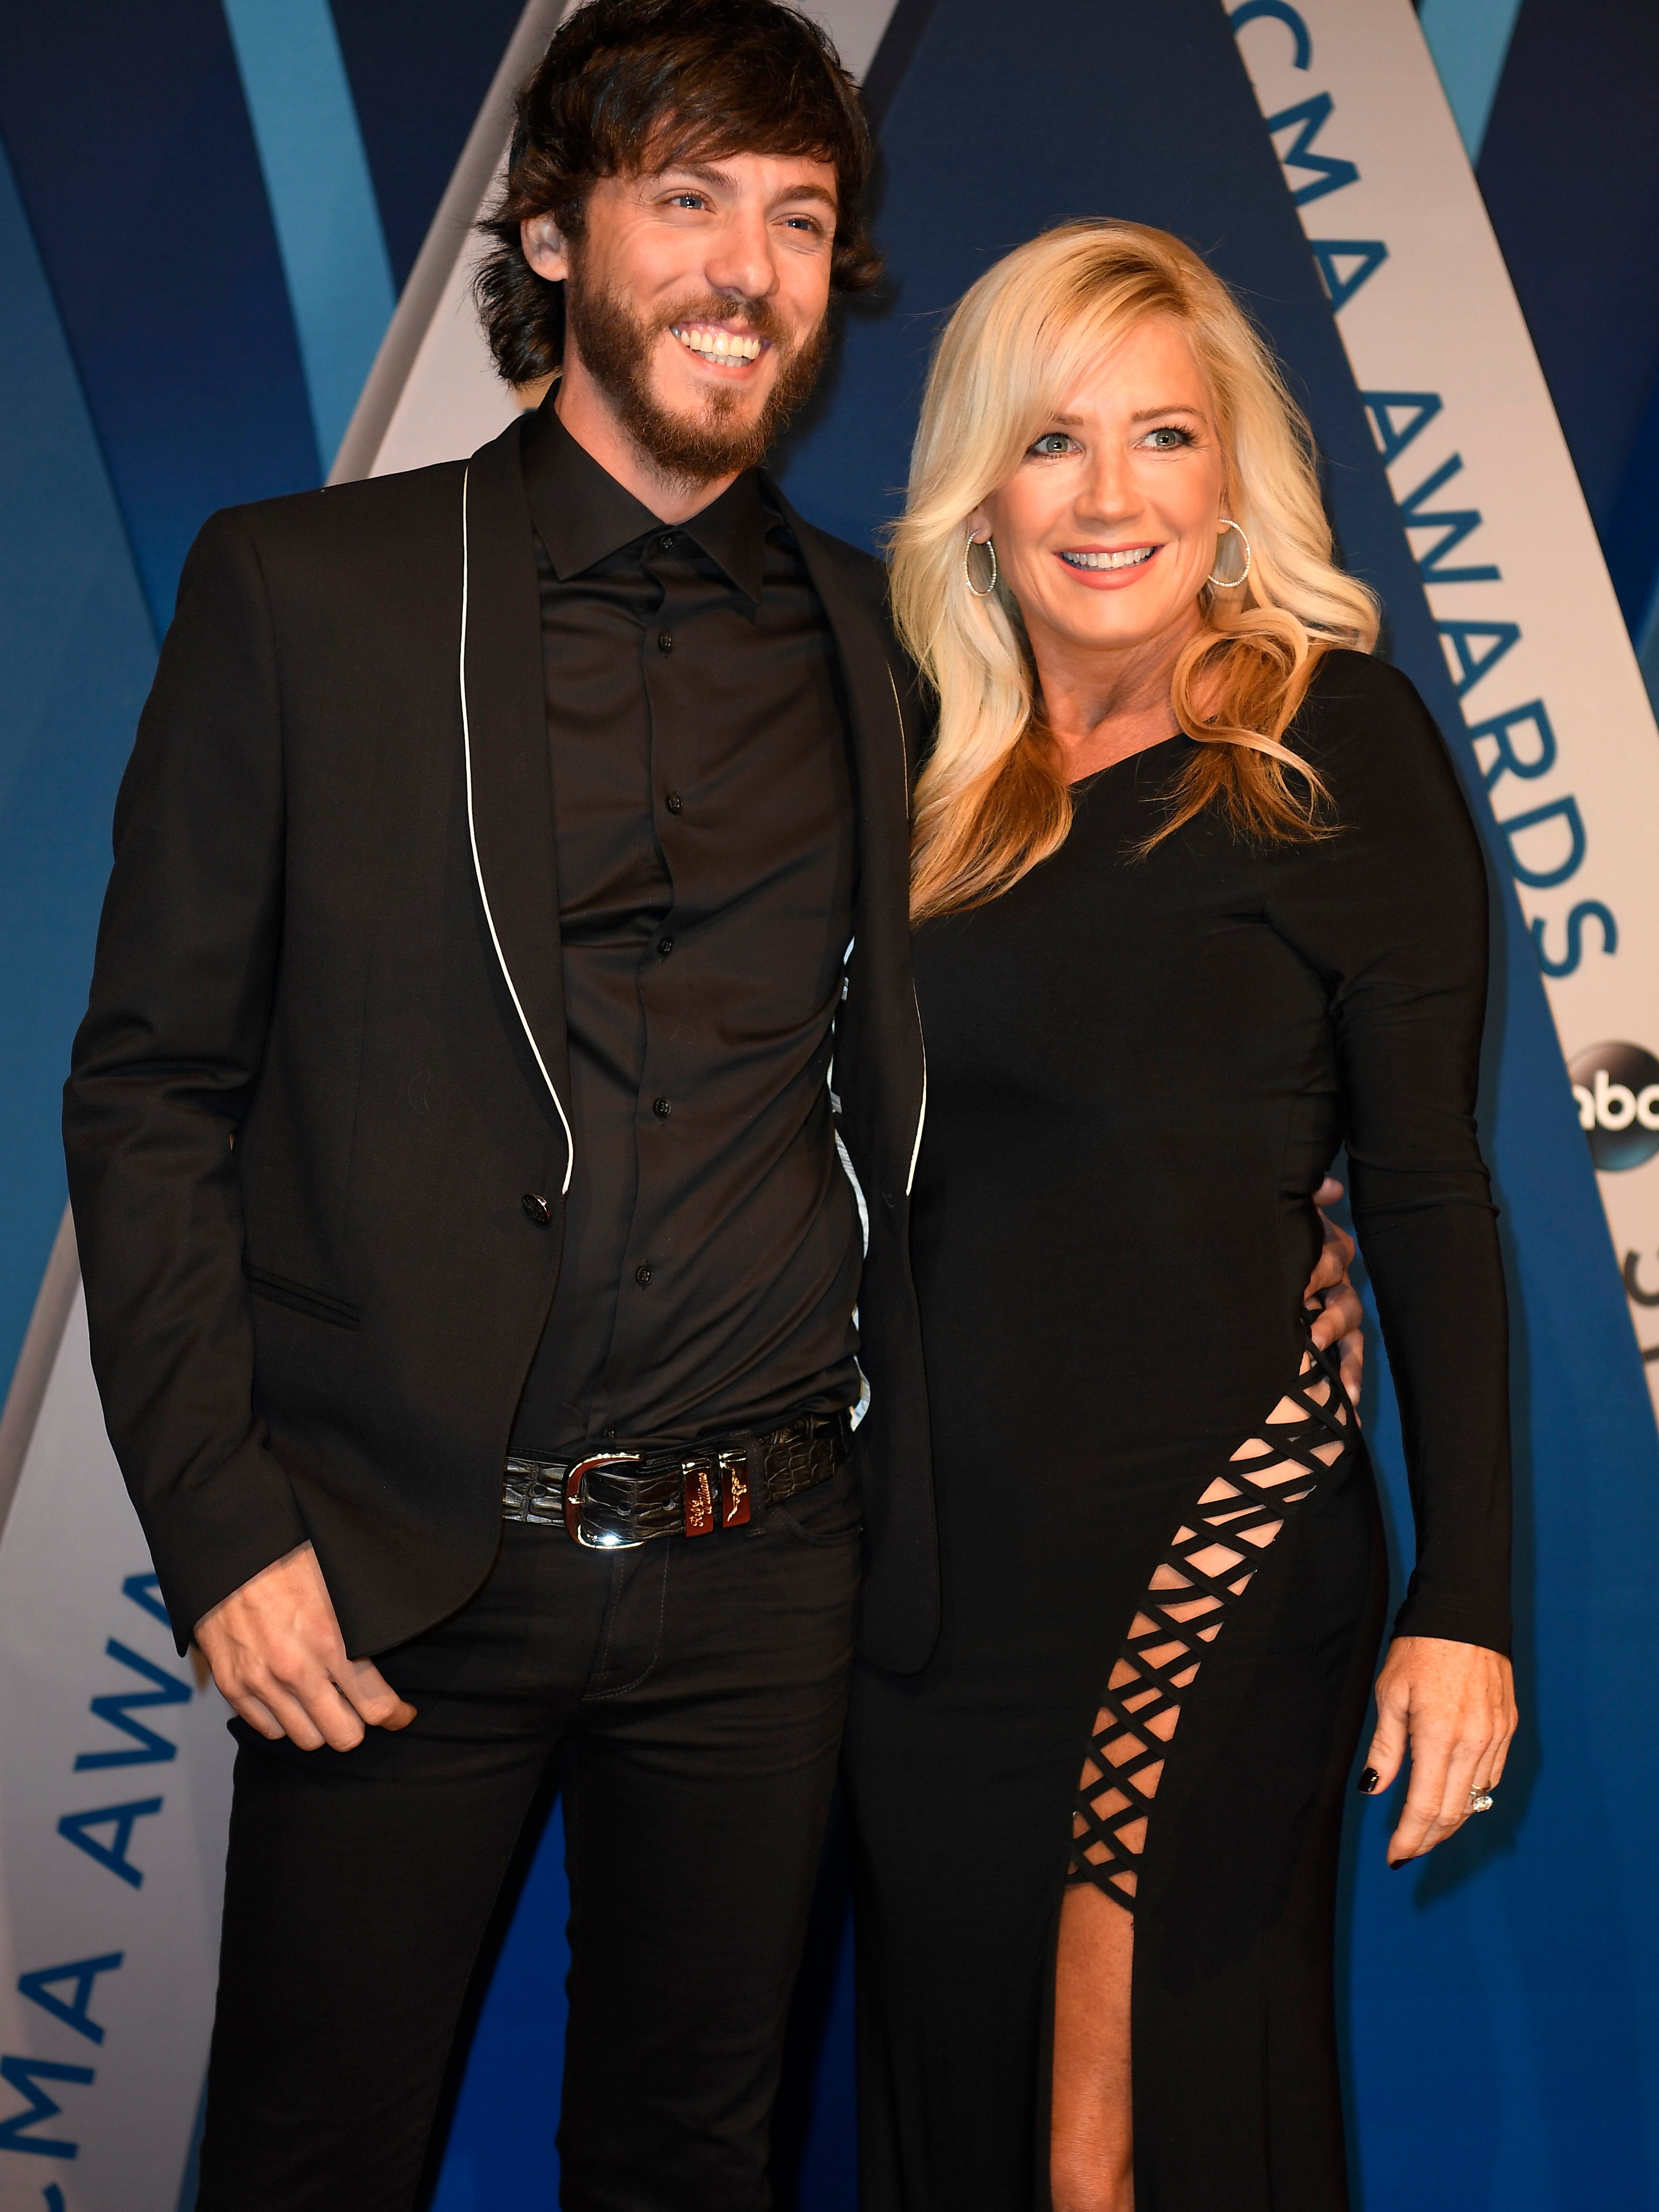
(740, 261)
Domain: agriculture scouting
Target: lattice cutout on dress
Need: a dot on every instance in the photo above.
(1202, 1577)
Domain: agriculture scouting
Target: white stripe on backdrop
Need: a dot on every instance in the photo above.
(117, 1771)
(1547, 675)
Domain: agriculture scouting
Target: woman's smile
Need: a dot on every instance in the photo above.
(1107, 569)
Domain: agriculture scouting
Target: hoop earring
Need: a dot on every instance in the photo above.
(1232, 583)
(968, 573)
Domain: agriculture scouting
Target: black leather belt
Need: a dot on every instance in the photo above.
(612, 1500)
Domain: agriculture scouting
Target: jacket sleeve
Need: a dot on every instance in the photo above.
(1393, 913)
(162, 1070)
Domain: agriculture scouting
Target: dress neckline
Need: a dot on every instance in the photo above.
(1141, 752)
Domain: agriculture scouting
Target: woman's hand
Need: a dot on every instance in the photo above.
(1343, 1322)
(1455, 1705)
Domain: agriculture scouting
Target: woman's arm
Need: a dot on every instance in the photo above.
(1392, 912)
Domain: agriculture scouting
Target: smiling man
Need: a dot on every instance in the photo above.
(470, 1258)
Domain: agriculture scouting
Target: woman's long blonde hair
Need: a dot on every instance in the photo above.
(993, 800)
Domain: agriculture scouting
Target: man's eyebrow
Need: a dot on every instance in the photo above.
(708, 172)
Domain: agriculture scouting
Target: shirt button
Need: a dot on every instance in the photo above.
(536, 1206)
(667, 544)
(665, 641)
(641, 1276)
(673, 802)
(664, 946)
(662, 1107)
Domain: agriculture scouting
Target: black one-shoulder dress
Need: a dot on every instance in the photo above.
(1159, 1537)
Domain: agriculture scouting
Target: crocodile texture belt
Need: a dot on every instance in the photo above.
(612, 1500)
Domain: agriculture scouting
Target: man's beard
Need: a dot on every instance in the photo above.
(617, 346)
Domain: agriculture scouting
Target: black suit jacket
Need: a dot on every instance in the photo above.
(320, 1086)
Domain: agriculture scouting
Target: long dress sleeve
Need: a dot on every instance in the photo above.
(1391, 911)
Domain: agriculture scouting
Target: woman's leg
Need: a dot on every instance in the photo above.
(1212, 1561)
(1092, 2140)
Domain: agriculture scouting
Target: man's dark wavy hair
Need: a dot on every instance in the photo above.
(625, 81)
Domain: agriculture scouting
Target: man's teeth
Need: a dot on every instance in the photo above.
(1130, 559)
(717, 345)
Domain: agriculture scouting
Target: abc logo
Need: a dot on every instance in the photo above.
(1617, 1089)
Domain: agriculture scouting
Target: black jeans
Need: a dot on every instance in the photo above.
(698, 1688)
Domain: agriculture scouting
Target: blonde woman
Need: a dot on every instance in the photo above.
(1197, 901)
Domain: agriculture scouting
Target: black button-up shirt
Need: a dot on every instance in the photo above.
(706, 855)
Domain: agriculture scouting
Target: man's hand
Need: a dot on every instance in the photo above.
(277, 1656)
(1343, 1322)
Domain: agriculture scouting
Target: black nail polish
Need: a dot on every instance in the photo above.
(1368, 1782)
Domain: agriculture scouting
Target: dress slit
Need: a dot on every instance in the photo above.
(1193, 1589)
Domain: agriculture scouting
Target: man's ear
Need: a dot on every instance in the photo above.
(544, 248)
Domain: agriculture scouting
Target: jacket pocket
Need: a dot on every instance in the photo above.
(317, 1303)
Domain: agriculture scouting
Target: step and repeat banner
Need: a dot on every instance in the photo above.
(1546, 677)
(1504, 2025)
(114, 1793)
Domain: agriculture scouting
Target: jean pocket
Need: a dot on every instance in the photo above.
(830, 1513)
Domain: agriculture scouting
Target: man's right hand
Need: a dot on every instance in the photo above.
(277, 1656)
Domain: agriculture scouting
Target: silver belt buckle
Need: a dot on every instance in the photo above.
(573, 1502)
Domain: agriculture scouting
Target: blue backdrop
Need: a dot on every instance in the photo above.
(169, 250)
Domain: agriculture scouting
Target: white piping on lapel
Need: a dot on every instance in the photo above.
(857, 1190)
(921, 1117)
(478, 869)
(904, 749)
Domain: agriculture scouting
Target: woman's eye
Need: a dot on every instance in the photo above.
(1052, 442)
(1169, 438)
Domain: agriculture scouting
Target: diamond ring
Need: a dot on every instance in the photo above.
(1480, 1801)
